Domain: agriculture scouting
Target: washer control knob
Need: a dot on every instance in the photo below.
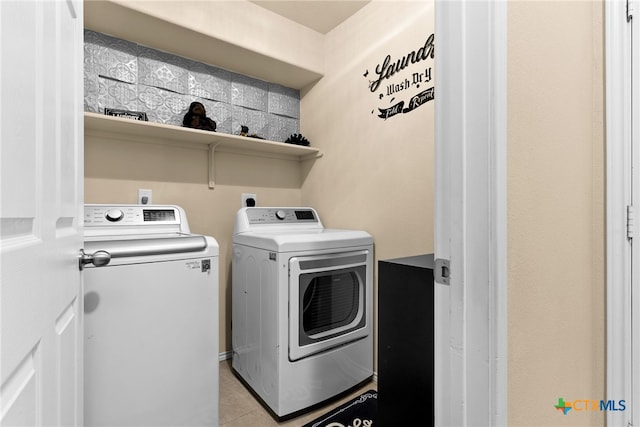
(114, 215)
(281, 215)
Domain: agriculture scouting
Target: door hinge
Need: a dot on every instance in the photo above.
(630, 222)
(629, 10)
(442, 271)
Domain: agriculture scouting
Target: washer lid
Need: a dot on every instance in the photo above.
(304, 240)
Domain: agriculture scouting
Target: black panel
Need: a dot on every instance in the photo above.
(159, 214)
(304, 215)
(406, 341)
(330, 302)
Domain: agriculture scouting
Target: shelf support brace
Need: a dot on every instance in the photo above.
(212, 165)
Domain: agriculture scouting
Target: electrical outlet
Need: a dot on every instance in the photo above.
(144, 196)
(249, 200)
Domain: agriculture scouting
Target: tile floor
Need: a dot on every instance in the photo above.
(238, 408)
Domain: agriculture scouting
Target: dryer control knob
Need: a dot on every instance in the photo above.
(114, 215)
(281, 215)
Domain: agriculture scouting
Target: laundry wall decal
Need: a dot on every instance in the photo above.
(404, 78)
(415, 102)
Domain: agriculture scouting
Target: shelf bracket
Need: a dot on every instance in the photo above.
(212, 165)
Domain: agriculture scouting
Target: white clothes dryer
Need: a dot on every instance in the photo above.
(151, 319)
(302, 308)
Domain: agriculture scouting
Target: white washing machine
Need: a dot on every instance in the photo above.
(151, 319)
(302, 308)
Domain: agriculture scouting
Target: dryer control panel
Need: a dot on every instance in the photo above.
(281, 215)
(275, 218)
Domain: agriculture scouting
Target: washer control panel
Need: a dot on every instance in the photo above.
(128, 215)
(281, 215)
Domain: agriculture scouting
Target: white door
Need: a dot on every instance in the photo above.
(41, 173)
(634, 231)
(623, 328)
(470, 215)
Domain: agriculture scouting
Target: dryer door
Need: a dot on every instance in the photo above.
(327, 302)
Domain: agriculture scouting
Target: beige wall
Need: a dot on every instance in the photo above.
(371, 171)
(115, 169)
(376, 174)
(555, 210)
(178, 173)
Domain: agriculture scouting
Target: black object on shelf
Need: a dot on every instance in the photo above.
(406, 341)
(126, 114)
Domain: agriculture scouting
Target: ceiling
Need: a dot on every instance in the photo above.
(319, 15)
